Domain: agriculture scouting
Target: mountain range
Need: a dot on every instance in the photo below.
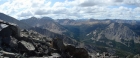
(122, 37)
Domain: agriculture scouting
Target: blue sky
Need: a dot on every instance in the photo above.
(72, 9)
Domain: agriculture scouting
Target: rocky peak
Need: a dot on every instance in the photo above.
(47, 18)
(33, 18)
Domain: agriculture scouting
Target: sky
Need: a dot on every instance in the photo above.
(72, 9)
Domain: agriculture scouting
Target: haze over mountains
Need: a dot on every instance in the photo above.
(120, 36)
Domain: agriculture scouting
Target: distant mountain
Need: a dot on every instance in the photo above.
(115, 31)
(33, 21)
(118, 32)
(67, 22)
(7, 18)
(45, 23)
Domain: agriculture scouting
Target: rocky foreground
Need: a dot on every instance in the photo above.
(16, 43)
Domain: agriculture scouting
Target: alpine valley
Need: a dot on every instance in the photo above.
(117, 37)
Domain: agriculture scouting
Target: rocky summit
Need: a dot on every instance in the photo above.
(16, 43)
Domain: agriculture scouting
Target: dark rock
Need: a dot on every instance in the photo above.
(70, 49)
(6, 41)
(81, 53)
(58, 44)
(76, 52)
(15, 31)
(5, 32)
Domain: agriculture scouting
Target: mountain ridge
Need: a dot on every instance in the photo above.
(7, 18)
(95, 35)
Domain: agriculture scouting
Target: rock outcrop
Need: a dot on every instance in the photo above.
(27, 43)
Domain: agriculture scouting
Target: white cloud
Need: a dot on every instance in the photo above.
(73, 9)
(132, 2)
(25, 13)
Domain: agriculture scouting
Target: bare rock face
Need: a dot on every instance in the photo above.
(117, 32)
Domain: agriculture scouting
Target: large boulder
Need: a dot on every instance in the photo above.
(11, 30)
